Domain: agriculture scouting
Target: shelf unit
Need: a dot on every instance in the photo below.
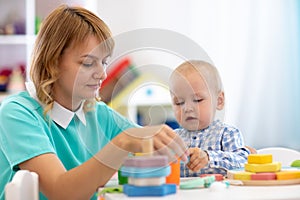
(153, 108)
(16, 49)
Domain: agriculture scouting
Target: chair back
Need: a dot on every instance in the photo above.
(284, 155)
(24, 186)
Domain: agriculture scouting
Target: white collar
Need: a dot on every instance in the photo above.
(58, 113)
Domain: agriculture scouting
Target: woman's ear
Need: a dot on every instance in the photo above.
(220, 101)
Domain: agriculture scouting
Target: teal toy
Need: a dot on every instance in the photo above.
(136, 191)
(198, 182)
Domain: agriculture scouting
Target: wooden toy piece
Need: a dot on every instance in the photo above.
(218, 177)
(122, 179)
(162, 190)
(295, 163)
(146, 161)
(146, 181)
(260, 158)
(242, 175)
(208, 180)
(148, 172)
(230, 173)
(263, 176)
(197, 182)
(147, 146)
(287, 175)
(174, 176)
(269, 167)
(192, 184)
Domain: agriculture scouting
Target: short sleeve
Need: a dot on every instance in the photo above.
(22, 134)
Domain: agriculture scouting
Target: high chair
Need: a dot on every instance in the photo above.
(281, 154)
(24, 186)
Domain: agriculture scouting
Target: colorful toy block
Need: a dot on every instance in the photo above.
(295, 163)
(260, 158)
(287, 175)
(146, 181)
(148, 172)
(261, 170)
(146, 161)
(269, 167)
(242, 175)
(162, 190)
(218, 177)
(263, 176)
(147, 176)
(197, 182)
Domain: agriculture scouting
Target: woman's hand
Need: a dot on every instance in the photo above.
(198, 159)
(162, 139)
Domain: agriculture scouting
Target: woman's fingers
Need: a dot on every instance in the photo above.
(162, 138)
(167, 141)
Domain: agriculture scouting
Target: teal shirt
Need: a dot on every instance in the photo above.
(26, 133)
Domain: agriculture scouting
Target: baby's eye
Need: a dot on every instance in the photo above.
(198, 100)
(179, 103)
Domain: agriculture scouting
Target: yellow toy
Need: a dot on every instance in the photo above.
(269, 167)
(260, 158)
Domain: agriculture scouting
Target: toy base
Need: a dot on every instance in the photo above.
(270, 182)
(162, 190)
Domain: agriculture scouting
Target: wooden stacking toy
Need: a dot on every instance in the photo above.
(261, 170)
(147, 176)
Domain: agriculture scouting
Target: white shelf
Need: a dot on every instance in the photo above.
(15, 49)
(13, 39)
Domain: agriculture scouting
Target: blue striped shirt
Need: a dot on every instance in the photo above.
(224, 145)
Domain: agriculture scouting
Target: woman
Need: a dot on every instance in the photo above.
(55, 128)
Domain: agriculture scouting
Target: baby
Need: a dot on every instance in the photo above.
(197, 94)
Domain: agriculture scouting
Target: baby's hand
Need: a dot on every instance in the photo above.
(198, 159)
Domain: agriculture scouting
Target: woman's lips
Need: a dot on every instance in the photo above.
(94, 86)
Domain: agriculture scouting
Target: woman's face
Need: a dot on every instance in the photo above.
(82, 70)
(193, 103)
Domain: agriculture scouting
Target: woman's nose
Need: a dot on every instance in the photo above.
(100, 73)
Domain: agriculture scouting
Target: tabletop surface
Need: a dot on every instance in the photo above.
(233, 192)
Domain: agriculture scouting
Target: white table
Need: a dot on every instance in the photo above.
(233, 192)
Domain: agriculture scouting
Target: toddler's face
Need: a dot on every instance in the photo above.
(193, 103)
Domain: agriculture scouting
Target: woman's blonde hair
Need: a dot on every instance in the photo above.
(64, 26)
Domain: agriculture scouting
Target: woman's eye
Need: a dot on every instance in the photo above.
(88, 64)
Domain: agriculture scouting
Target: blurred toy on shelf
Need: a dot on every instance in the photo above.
(119, 76)
(12, 79)
(16, 81)
(4, 78)
(13, 25)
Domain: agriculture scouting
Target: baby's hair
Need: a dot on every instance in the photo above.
(208, 71)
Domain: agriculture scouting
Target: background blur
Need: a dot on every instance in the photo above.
(255, 44)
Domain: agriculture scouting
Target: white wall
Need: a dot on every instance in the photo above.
(253, 43)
